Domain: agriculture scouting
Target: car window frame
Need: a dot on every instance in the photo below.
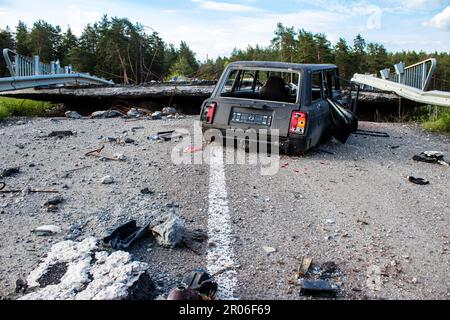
(243, 69)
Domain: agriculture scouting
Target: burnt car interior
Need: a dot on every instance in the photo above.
(266, 85)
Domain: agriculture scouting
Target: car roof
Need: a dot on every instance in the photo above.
(281, 65)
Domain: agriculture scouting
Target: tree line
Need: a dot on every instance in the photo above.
(117, 49)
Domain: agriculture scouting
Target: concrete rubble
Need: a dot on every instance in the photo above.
(170, 231)
(88, 274)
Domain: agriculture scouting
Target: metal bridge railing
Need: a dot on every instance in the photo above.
(22, 66)
(417, 75)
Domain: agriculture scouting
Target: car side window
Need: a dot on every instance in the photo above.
(317, 87)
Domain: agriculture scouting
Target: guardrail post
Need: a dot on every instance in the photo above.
(37, 66)
(17, 66)
(400, 70)
(424, 76)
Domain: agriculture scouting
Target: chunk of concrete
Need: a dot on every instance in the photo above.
(73, 115)
(47, 230)
(90, 274)
(170, 232)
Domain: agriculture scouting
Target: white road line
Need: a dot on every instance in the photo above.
(221, 255)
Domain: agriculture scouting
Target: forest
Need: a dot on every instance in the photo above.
(125, 52)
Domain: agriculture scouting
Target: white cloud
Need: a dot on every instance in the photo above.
(225, 6)
(441, 20)
(421, 4)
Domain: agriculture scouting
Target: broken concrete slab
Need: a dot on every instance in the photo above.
(90, 274)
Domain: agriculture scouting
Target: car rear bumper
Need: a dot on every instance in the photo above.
(290, 144)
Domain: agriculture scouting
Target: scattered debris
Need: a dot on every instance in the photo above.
(96, 153)
(269, 250)
(155, 138)
(431, 157)
(107, 180)
(165, 136)
(196, 285)
(169, 111)
(134, 113)
(372, 133)
(24, 191)
(61, 134)
(10, 172)
(170, 231)
(147, 191)
(318, 288)
(193, 149)
(90, 275)
(126, 235)
(78, 169)
(52, 203)
(362, 222)
(21, 286)
(157, 115)
(120, 157)
(47, 230)
(106, 114)
(73, 115)
(201, 281)
(305, 265)
(419, 181)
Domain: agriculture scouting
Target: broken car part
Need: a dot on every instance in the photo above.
(345, 123)
(201, 281)
(419, 181)
(126, 235)
(431, 157)
(318, 288)
(372, 133)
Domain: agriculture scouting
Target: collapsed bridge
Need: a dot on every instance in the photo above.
(32, 79)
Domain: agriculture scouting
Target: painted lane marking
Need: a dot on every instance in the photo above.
(221, 255)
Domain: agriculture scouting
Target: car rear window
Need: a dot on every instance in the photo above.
(275, 85)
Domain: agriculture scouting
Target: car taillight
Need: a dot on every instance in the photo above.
(298, 122)
(209, 112)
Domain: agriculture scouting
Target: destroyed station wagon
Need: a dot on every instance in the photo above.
(301, 101)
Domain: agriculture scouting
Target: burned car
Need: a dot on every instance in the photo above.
(301, 101)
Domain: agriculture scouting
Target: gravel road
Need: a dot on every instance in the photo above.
(354, 207)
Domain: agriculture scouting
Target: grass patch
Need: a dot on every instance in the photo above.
(435, 119)
(10, 107)
(439, 125)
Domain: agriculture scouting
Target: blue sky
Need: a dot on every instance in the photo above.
(214, 28)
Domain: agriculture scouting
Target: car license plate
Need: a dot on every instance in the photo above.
(249, 118)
